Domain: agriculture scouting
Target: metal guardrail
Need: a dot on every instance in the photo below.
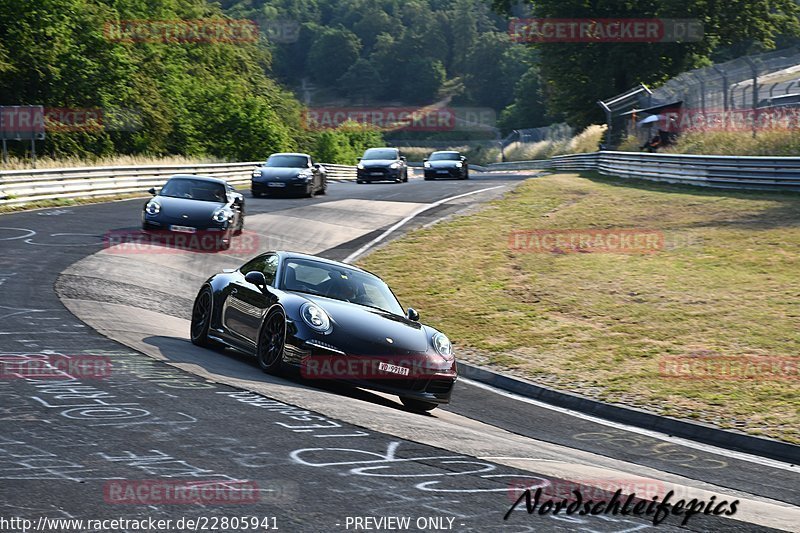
(25, 186)
(736, 172)
(520, 165)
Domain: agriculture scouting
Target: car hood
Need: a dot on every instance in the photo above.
(365, 330)
(279, 173)
(186, 206)
(373, 163)
(443, 164)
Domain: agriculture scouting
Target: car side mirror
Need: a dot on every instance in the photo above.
(256, 278)
(152, 190)
(413, 314)
(463, 158)
(402, 158)
(316, 165)
(425, 160)
(359, 159)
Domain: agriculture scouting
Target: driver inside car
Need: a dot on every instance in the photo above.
(344, 289)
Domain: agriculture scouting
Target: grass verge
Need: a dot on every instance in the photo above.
(602, 324)
(45, 162)
(67, 202)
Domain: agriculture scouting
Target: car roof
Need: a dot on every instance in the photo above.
(290, 153)
(446, 152)
(283, 254)
(382, 148)
(202, 178)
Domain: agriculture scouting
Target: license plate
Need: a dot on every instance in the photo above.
(376, 173)
(183, 229)
(393, 369)
(276, 184)
(441, 172)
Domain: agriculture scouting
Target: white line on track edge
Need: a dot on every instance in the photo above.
(655, 434)
(391, 230)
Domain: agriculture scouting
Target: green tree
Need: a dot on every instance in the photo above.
(423, 79)
(190, 98)
(362, 80)
(492, 68)
(333, 52)
(576, 75)
(528, 109)
(346, 143)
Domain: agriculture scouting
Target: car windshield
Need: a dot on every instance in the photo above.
(380, 153)
(206, 191)
(287, 161)
(340, 283)
(445, 156)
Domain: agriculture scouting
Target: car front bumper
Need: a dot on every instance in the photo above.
(279, 187)
(433, 385)
(378, 174)
(449, 172)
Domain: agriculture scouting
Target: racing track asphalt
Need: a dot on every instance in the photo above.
(59, 449)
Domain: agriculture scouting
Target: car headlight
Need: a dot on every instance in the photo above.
(459, 164)
(222, 215)
(305, 174)
(427, 165)
(152, 207)
(394, 165)
(256, 173)
(442, 345)
(360, 166)
(315, 317)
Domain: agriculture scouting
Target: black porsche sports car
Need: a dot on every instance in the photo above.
(446, 164)
(195, 204)
(289, 173)
(328, 319)
(382, 164)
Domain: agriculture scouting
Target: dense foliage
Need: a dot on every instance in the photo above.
(346, 143)
(576, 75)
(409, 52)
(200, 98)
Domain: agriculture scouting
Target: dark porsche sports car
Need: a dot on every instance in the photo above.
(382, 164)
(328, 319)
(289, 173)
(446, 164)
(195, 204)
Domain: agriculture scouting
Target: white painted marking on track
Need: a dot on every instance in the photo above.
(30, 233)
(422, 209)
(30, 241)
(655, 434)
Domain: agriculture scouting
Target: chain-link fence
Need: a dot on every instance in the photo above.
(748, 82)
(746, 93)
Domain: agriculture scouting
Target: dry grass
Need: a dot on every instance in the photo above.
(599, 324)
(66, 202)
(778, 143)
(477, 155)
(120, 160)
(586, 141)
